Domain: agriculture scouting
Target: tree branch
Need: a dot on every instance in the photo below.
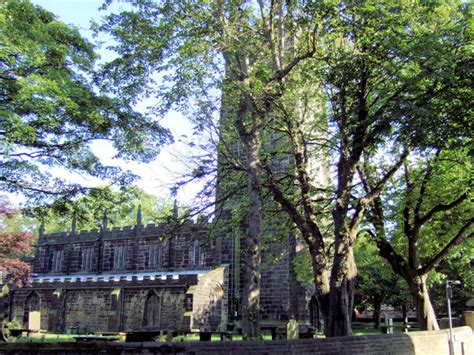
(456, 240)
(374, 192)
(443, 207)
(386, 250)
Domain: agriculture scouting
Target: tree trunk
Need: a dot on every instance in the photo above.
(376, 316)
(421, 298)
(405, 314)
(252, 268)
(341, 297)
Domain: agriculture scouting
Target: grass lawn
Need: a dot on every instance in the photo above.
(46, 337)
(363, 328)
(359, 328)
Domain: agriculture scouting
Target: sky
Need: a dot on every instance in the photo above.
(157, 176)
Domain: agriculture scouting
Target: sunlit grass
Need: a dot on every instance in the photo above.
(46, 338)
(359, 329)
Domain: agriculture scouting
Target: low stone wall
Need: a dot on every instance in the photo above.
(429, 343)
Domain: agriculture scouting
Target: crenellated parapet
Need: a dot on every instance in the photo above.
(139, 248)
(160, 230)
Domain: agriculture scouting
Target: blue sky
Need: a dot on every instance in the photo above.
(76, 12)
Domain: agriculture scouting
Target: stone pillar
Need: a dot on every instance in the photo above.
(139, 216)
(41, 229)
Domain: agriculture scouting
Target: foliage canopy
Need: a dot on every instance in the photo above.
(51, 113)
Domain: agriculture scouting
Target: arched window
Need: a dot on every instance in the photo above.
(314, 313)
(152, 311)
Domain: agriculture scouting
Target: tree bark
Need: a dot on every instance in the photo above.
(321, 281)
(376, 316)
(341, 297)
(252, 140)
(344, 270)
(252, 274)
(424, 309)
(4, 296)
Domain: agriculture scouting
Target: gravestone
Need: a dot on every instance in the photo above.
(292, 331)
(34, 320)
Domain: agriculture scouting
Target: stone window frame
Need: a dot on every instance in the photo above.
(57, 260)
(87, 259)
(155, 255)
(114, 299)
(120, 257)
(195, 253)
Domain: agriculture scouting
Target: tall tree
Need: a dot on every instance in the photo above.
(433, 216)
(378, 85)
(51, 112)
(226, 46)
(277, 64)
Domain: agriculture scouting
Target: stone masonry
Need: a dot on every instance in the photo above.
(149, 277)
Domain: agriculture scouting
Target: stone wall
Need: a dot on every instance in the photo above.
(172, 308)
(105, 305)
(174, 244)
(71, 269)
(112, 309)
(210, 301)
(419, 343)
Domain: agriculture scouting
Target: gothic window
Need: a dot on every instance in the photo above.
(57, 261)
(87, 259)
(196, 256)
(314, 313)
(152, 311)
(114, 299)
(119, 257)
(154, 255)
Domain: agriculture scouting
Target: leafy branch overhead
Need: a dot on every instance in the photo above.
(51, 112)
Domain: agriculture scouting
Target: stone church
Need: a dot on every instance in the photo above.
(171, 277)
(155, 276)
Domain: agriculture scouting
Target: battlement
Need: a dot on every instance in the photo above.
(125, 232)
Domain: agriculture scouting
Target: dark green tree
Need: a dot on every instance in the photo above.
(205, 49)
(380, 87)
